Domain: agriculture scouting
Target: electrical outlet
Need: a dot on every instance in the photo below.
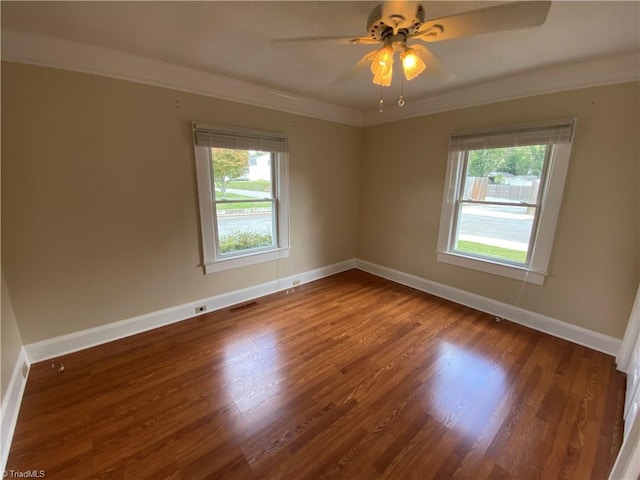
(201, 308)
(296, 283)
(25, 369)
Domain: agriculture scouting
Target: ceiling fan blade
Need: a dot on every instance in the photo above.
(293, 41)
(499, 18)
(364, 41)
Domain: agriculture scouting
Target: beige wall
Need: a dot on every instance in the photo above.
(594, 264)
(99, 206)
(10, 340)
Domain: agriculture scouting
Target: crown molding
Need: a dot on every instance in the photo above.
(52, 52)
(589, 73)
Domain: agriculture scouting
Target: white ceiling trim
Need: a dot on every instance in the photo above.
(52, 52)
(601, 71)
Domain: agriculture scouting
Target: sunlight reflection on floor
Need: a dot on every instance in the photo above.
(252, 372)
(468, 386)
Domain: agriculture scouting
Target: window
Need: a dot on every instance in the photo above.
(242, 191)
(502, 198)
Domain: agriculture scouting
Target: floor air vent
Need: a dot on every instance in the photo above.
(243, 307)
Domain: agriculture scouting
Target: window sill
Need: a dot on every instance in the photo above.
(487, 266)
(244, 260)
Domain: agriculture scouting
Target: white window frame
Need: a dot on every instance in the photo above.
(557, 164)
(213, 260)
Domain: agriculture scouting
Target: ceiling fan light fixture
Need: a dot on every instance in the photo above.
(412, 64)
(383, 77)
(383, 59)
(382, 66)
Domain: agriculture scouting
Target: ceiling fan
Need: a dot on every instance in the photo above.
(398, 24)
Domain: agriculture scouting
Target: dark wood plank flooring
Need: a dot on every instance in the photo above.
(349, 377)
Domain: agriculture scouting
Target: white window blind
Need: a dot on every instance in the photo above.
(220, 137)
(560, 131)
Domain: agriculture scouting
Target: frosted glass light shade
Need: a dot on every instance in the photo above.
(412, 64)
(382, 66)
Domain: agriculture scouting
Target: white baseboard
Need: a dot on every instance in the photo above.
(76, 341)
(573, 333)
(73, 342)
(11, 407)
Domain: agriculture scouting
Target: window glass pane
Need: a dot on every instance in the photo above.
(504, 174)
(245, 226)
(494, 231)
(243, 186)
(241, 174)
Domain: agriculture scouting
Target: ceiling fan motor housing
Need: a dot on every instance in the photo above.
(378, 29)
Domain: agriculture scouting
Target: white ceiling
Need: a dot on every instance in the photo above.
(233, 39)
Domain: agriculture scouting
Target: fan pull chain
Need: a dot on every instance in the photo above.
(401, 101)
(381, 108)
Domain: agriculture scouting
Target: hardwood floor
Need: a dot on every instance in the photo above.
(349, 377)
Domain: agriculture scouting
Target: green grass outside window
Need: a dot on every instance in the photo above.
(491, 251)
